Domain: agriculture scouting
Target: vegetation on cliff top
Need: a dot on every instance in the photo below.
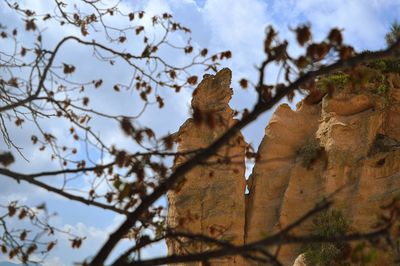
(370, 72)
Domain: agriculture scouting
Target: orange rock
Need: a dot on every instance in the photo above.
(349, 106)
(211, 200)
(277, 195)
(349, 144)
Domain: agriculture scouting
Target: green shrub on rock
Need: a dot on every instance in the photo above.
(328, 224)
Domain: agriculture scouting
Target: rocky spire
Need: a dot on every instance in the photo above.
(210, 199)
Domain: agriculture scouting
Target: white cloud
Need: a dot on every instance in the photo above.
(240, 27)
(157, 7)
(54, 261)
(359, 20)
(364, 23)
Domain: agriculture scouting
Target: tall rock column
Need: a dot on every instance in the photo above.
(278, 173)
(210, 198)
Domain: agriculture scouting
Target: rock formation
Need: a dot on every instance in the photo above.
(279, 173)
(210, 200)
(347, 144)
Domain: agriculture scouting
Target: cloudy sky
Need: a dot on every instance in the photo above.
(236, 25)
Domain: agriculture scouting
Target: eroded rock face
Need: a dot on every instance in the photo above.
(348, 144)
(278, 172)
(210, 200)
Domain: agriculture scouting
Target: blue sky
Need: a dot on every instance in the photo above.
(236, 25)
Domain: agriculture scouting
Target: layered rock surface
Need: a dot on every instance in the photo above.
(348, 146)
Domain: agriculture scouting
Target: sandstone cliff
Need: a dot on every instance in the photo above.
(210, 200)
(348, 142)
